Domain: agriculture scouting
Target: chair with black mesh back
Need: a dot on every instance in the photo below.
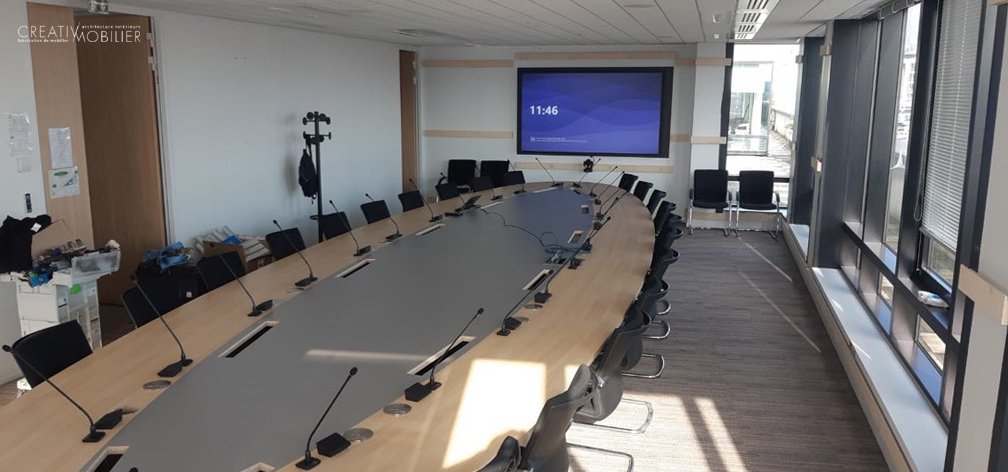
(335, 224)
(608, 370)
(138, 307)
(495, 170)
(756, 195)
(50, 350)
(641, 189)
(460, 173)
(661, 216)
(411, 200)
(281, 246)
(375, 211)
(645, 307)
(446, 191)
(507, 459)
(546, 450)
(654, 200)
(216, 270)
(710, 192)
(481, 183)
(627, 181)
(515, 177)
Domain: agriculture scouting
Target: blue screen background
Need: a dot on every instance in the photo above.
(599, 112)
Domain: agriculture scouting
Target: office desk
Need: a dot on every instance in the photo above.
(494, 388)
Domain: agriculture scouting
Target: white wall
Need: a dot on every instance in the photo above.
(483, 99)
(17, 94)
(987, 336)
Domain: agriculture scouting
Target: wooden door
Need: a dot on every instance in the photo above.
(121, 131)
(408, 107)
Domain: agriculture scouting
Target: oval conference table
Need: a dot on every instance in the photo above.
(389, 313)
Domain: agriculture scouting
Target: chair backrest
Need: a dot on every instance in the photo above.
(515, 177)
(214, 269)
(411, 200)
(495, 170)
(507, 459)
(710, 185)
(335, 224)
(375, 211)
(139, 309)
(641, 189)
(50, 350)
(756, 186)
(481, 183)
(627, 181)
(655, 200)
(664, 209)
(279, 244)
(446, 191)
(546, 449)
(461, 171)
(661, 264)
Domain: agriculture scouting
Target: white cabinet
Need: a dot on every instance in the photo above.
(63, 299)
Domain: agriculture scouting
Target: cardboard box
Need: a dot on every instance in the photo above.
(56, 234)
(212, 248)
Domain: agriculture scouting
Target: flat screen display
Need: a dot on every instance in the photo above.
(589, 111)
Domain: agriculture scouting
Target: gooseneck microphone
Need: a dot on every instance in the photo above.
(174, 368)
(598, 199)
(574, 262)
(311, 273)
(600, 213)
(555, 183)
(494, 197)
(330, 445)
(522, 189)
(360, 250)
(419, 391)
(393, 236)
(109, 421)
(433, 217)
(257, 309)
(594, 163)
(591, 192)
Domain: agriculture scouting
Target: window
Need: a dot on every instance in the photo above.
(940, 262)
(901, 131)
(931, 344)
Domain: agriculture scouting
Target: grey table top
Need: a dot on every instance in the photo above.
(228, 414)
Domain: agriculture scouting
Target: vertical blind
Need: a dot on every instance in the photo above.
(959, 38)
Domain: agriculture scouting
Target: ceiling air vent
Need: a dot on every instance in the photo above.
(750, 16)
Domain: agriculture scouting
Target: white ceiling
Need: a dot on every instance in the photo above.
(523, 22)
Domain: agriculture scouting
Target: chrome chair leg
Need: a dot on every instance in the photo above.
(661, 368)
(624, 455)
(664, 335)
(638, 430)
(689, 219)
(663, 307)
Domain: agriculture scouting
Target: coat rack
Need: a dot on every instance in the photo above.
(316, 139)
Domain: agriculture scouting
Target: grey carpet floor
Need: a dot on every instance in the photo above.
(752, 382)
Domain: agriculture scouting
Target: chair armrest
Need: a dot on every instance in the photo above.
(440, 180)
(777, 197)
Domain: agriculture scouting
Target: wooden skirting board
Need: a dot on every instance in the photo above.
(983, 293)
(642, 168)
(596, 56)
(471, 63)
(703, 61)
(709, 139)
(459, 133)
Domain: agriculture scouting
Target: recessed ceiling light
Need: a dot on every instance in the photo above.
(639, 5)
(717, 35)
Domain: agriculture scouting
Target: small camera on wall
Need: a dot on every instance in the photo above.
(588, 164)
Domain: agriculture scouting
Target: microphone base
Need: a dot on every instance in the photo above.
(557, 184)
(453, 213)
(575, 263)
(576, 185)
(393, 237)
(503, 331)
(434, 218)
(110, 420)
(512, 324)
(332, 444)
(418, 391)
(362, 251)
(305, 281)
(598, 201)
(586, 247)
(593, 195)
(496, 197)
(261, 308)
(308, 463)
(93, 437)
(542, 297)
(519, 191)
(173, 369)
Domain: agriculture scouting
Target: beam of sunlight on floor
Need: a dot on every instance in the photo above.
(690, 446)
(720, 435)
(761, 256)
(781, 313)
(483, 418)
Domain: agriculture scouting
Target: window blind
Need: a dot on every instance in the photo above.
(950, 121)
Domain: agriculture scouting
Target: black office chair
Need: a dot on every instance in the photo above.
(446, 191)
(495, 170)
(481, 183)
(138, 308)
(655, 200)
(627, 181)
(645, 305)
(546, 450)
(507, 459)
(515, 177)
(460, 173)
(756, 194)
(50, 350)
(641, 189)
(214, 273)
(281, 247)
(375, 211)
(411, 200)
(710, 191)
(335, 224)
(661, 216)
(608, 369)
